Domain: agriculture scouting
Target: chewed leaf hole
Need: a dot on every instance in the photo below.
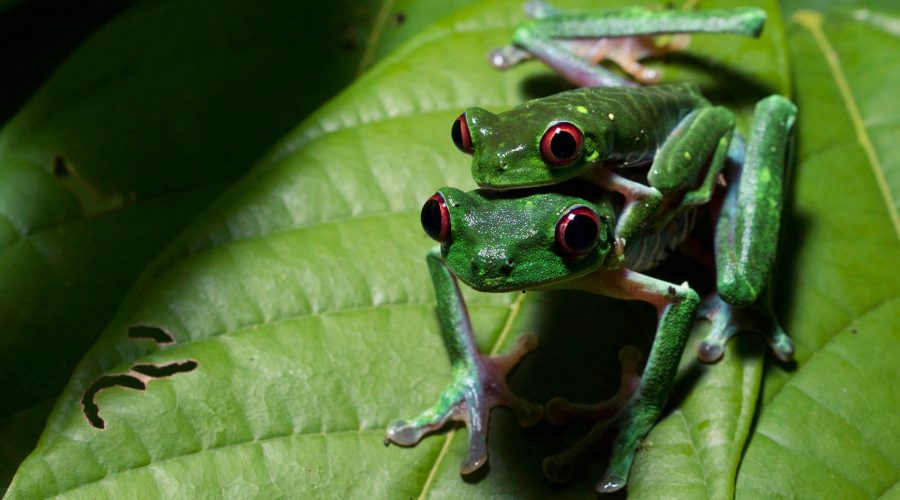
(91, 410)
(60, 168)
(136, 378)
(168, 370)
(153, 333)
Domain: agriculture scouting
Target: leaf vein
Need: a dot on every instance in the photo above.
(812, 21)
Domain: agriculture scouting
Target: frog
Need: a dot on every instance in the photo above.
(564, 236)
(653, 145)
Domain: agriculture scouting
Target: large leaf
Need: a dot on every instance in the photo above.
(143, 125)
(829, 428)
(303, 299)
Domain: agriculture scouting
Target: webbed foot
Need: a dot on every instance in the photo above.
(558, 468)
(474, 391)
(560, 412)
(632, 421)
(727, 321)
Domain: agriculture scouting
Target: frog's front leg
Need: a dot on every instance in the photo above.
(641, 201)
(689, 161)
(567, 41)
(479, 382)
(676, 306)
(747, 235)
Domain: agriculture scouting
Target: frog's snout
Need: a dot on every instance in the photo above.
(487, 266)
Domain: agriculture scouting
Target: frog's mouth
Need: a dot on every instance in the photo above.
(510, 276)
(503, 176)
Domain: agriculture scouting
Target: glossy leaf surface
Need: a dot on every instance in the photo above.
(135, 133)
(829, 427)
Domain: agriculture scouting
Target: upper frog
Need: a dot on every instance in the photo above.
(546, 141)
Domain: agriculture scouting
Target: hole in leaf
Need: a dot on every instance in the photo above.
(153, 333)
(136, 379)
(168, 370)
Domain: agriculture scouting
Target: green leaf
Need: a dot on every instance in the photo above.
(134, 134)
(829, 426)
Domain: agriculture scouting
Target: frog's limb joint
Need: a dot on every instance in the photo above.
(559, 411)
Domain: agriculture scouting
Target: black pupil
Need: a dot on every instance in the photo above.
(456, 133)
(581, 233)
(431, 218)
(563, 145)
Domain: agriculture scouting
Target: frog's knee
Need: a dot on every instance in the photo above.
(738, 291)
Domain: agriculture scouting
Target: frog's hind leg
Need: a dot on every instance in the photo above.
(479, 381)
(566, 40)
(676, 306)
(560, 412)
(747, 234)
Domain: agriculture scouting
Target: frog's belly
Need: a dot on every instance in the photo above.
(646, 251)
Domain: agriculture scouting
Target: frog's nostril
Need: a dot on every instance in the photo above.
(507, 267)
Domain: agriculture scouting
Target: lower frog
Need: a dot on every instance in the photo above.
(557, 239)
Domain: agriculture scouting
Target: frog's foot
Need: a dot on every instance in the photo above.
(727, 321)
(633, 424)
(628, 51)
(559, 411)
(609, 413)
(475, 390)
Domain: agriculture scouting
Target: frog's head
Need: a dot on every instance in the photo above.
(541, 142)
(496, 241)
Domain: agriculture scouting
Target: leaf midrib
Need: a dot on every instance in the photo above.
(813, 21)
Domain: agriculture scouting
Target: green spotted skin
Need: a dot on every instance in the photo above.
(504, 242)
(621, 126)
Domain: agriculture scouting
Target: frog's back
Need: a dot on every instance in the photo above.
(634, 121)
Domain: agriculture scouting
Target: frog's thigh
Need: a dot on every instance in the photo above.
(747, 229)
(702, 136)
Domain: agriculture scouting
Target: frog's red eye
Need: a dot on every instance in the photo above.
(460, 134)
(561, 143)
(436, 218)
(577, 232)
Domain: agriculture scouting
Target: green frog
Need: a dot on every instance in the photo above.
(565, 237)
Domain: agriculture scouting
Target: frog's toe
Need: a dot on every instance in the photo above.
(611, 482)
(727, 321)
(710, 350)
(410, 432)
(477, 455)
(781, 344)
(558, 469)
(507, 56)
(559, 411)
